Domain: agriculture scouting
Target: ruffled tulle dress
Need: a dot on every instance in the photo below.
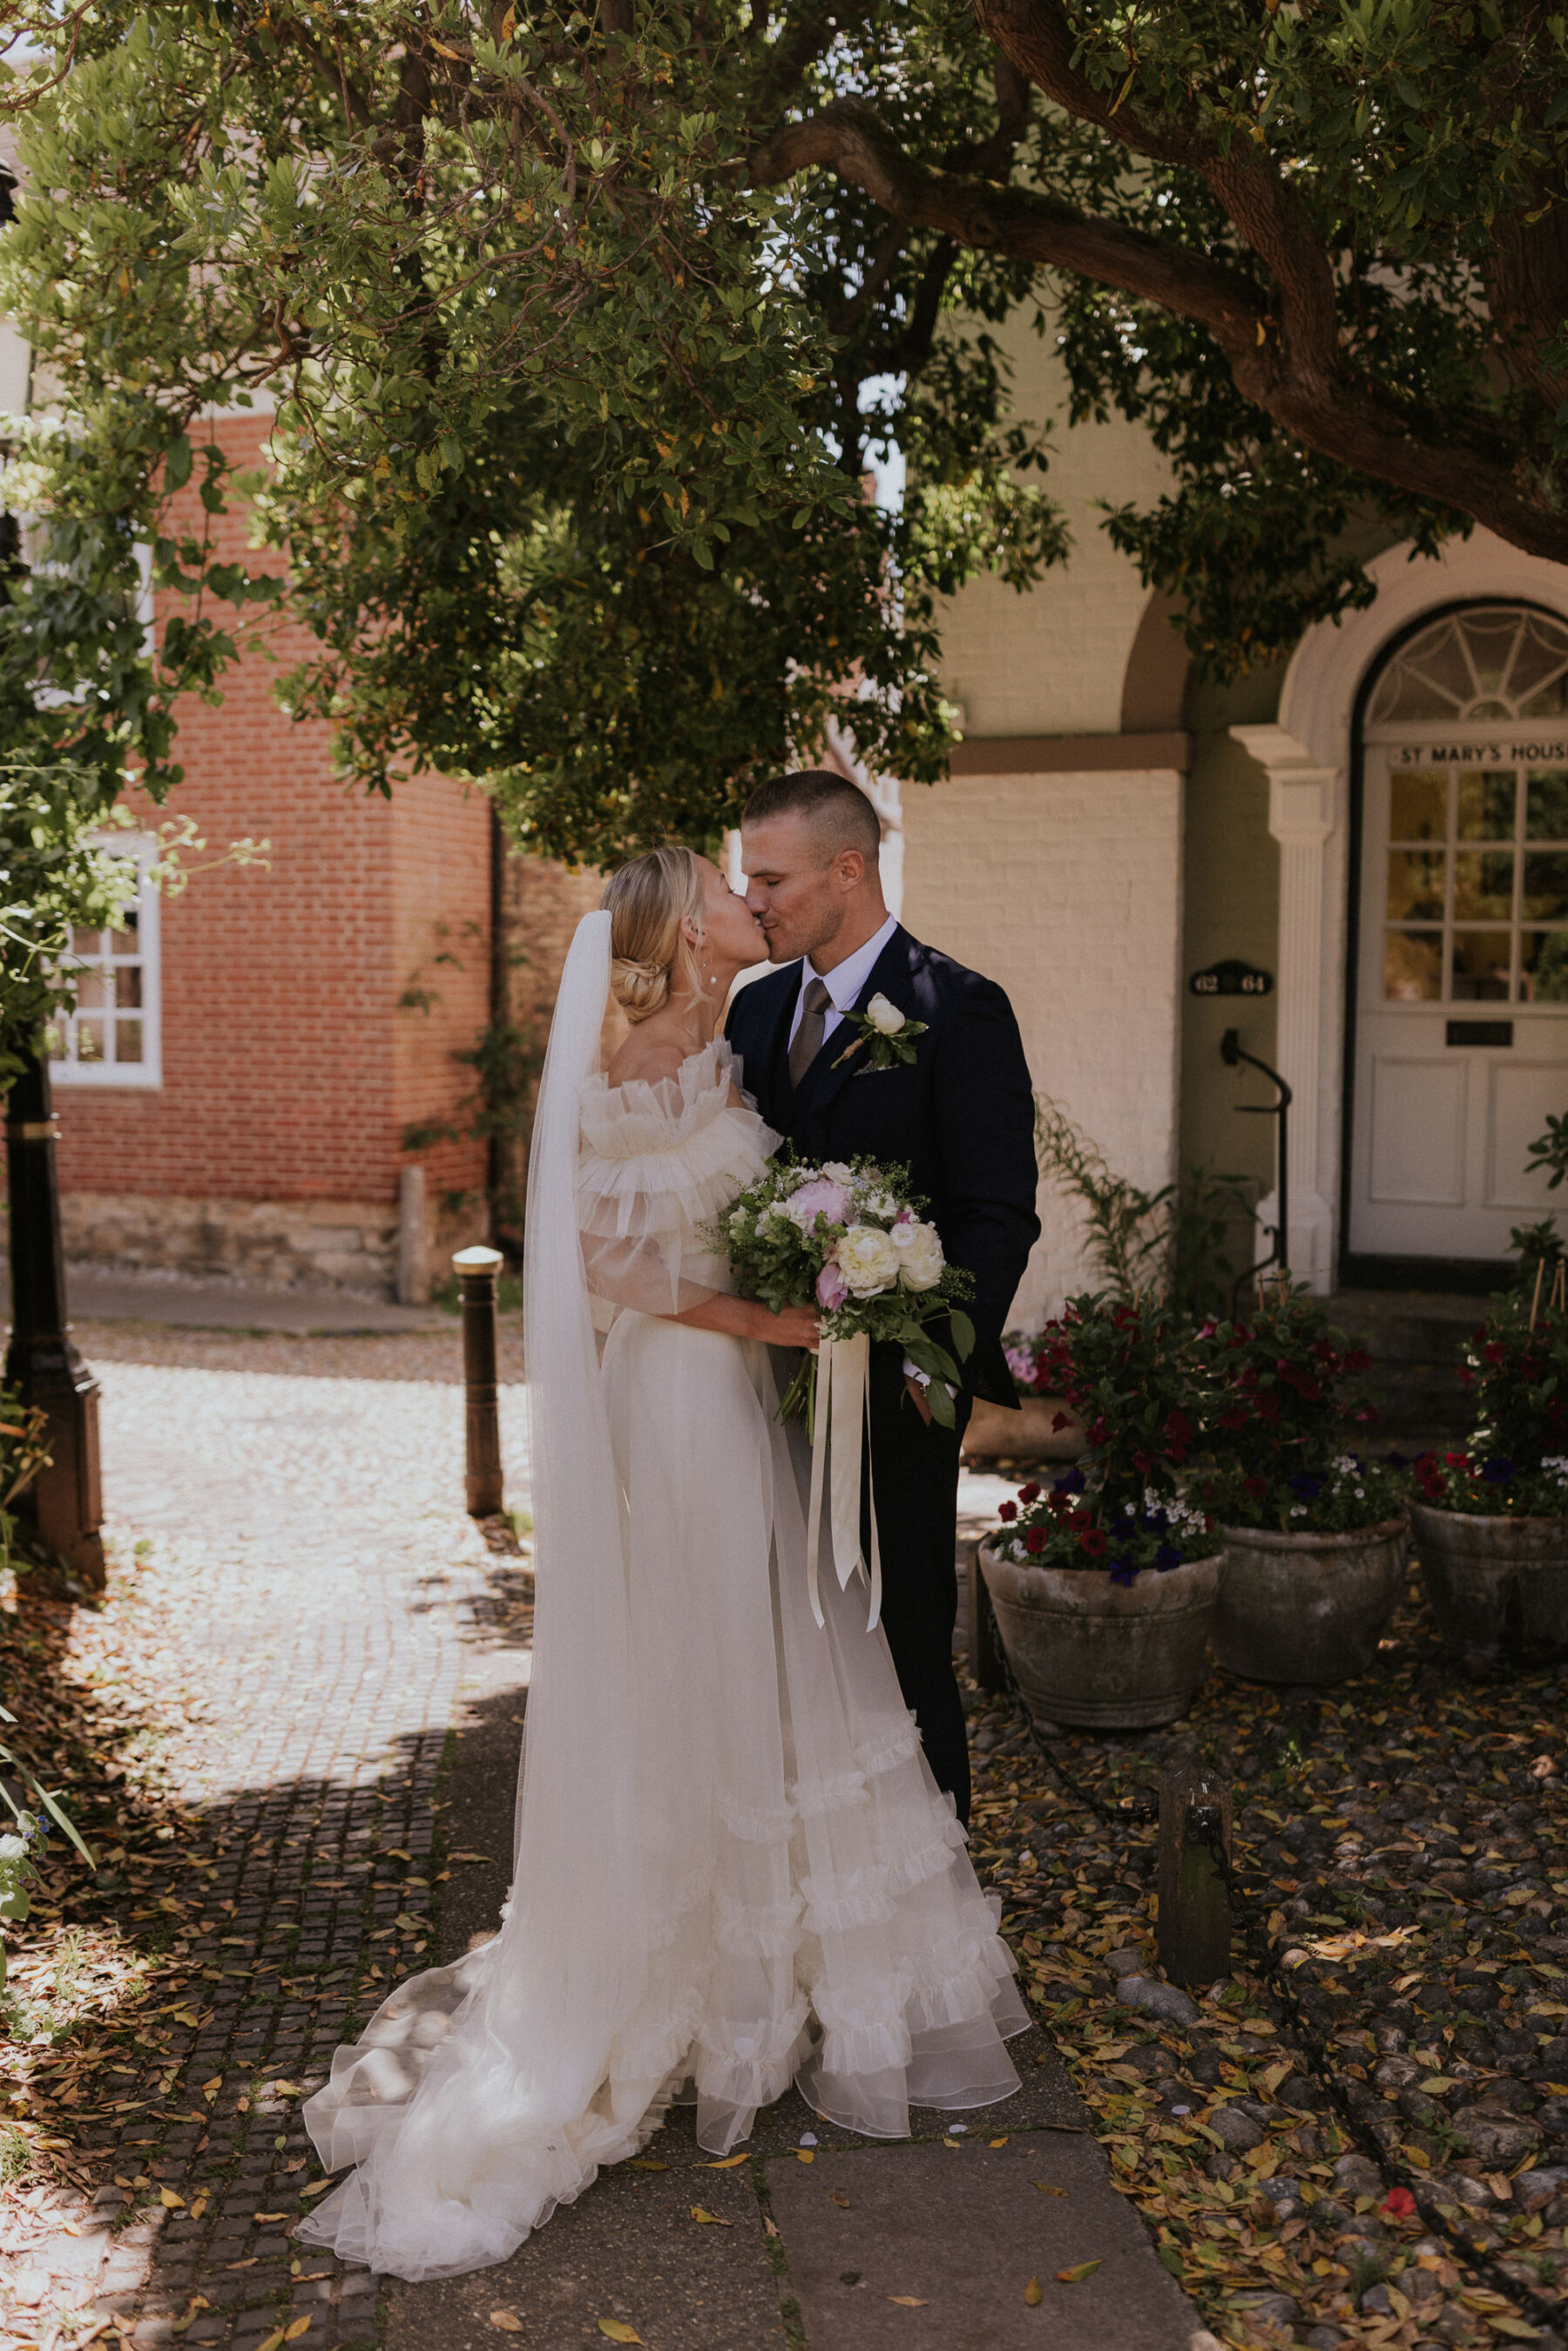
(797, 1903)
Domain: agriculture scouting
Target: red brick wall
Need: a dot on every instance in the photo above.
(289, 1068)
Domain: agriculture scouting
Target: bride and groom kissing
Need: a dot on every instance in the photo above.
(739, 1841)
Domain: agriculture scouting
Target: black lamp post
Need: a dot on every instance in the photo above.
(64, 1505)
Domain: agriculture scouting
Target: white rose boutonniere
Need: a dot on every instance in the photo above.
(886, 1035)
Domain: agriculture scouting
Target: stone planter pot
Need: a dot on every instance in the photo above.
(1498, 1587)
(995, 1434)
(1106, 1655)
(1307, 1608)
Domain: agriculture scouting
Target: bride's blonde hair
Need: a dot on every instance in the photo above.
(648, 902)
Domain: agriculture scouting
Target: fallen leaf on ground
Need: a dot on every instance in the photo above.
(1034, 2294)
(1077, 2274)
(710, 2219)
(908, 2302)
(507, 2321)
(269, 2216)
(1000, 2142)
(646, 2163)
(169, 2201)
(839, 2197)
(317, 2186)
(616, 2328)
(804, 2154)
(725, 2163)
(1047, 2189)
(300, 2326)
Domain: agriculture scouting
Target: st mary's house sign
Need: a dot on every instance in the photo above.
(1231, 978)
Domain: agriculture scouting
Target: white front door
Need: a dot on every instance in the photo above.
(1460, 1048)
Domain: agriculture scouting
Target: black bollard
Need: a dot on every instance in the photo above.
(1194, 1933)
(64, 1504)
(476, 1273)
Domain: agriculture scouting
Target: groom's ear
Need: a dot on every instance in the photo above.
(849, 866)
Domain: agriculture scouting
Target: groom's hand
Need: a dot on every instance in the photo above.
(918, 1398)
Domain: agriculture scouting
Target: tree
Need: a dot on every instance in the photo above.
(585, 325)
(551, 465)
(1321, 251)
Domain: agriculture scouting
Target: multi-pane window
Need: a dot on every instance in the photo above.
(1477, 883)
(111, 1036)
(1477, 886)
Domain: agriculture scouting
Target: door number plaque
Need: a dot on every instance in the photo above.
(1231, 978)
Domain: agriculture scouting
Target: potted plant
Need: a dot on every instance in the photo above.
(1043, 1429)
(1104, 1585)
(1315, 1535)
(1491, 1522)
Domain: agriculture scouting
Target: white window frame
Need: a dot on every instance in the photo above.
(67, 1070)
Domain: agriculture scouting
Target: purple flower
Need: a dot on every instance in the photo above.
(1499, 1470)
(1305, 1487)
(1122, 1569)
(1166, 1557)
(832, 1290)
(1073, 1483)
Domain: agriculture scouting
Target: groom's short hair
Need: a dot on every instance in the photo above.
(838, 813)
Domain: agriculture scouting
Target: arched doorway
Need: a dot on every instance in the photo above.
(1458, 1044)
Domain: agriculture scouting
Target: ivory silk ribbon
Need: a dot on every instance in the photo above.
(840, 1427)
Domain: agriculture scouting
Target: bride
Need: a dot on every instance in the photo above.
(733, 1869)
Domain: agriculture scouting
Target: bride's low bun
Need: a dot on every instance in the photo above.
(648, 902)
(640, 988)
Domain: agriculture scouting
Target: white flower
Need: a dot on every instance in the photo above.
(867, 1260)
(878, 1204)
(13, 1848)
(885, 1017)
(920, 1258)
(839, 1172)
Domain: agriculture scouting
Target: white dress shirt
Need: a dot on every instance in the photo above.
(844, 982)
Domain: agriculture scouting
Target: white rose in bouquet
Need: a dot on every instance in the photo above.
(867, 1260)
(920, 1258)
(885, 1016)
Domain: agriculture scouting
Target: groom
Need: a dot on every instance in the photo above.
(960, 1117)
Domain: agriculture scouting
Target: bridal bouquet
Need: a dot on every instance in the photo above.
(850, 1240)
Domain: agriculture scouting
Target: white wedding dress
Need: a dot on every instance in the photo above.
(732, 1868)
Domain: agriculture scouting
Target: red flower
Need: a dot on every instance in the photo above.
(1399, 2204)
(1007, 1512)
(1257, 1485)
(1358, 1360)
(1093, 1542)
(1030, 1493)
(1235, 1416)
(1079, 1520)
(1034, 1541)
(1059, 1421)
(1493, 1351)
(1143, 1462)
(1269, 1405)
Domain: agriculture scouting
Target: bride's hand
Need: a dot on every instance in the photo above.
(795, 1327)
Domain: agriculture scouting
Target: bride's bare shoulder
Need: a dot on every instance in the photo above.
(647, 1058)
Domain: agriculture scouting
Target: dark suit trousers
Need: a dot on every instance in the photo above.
(917, 1472)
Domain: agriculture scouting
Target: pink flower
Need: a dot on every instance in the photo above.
(904, 1216)
(823, 1199)
(832, 1290)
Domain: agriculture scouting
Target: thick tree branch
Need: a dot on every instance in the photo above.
(1282, 345)
(847, 136)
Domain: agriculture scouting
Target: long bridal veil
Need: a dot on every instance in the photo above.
(482, 2095)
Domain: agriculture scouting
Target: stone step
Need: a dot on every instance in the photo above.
(1417, 1340)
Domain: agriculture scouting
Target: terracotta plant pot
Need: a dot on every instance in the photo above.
(1498, 1587)
(1310, 1607)
(995, 1434)
(1107, 1656)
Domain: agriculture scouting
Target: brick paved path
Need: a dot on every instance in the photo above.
(314, 1529)
(341, 1620)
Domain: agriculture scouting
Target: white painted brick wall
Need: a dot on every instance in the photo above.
(1066, 889)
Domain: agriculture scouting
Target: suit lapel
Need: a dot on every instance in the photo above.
(775, 1056)
(828, 1075)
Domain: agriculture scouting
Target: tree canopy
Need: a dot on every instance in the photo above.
(581, 326)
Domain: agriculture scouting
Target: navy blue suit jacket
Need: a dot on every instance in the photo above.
(961, 1116)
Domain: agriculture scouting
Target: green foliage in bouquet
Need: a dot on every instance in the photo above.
(1282, 1424)
(1516, 1463)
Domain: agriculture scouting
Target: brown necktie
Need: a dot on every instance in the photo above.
(807, 1042)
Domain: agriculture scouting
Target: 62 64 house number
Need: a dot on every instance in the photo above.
(1231, 978)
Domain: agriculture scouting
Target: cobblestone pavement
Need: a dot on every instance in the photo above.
(310, 1528)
